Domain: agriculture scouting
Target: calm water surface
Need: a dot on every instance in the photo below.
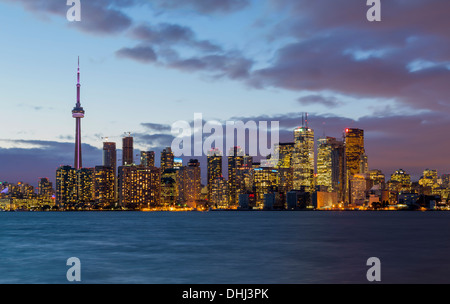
(225, 247)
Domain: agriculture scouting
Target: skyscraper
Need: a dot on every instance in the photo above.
(66, 186)
(214, 168)
(354, 150)
(104, 185)
(331, 169)
(355, 159)
(110, 155)
(235, 178)
(85, 185)
(139, 187)
(148, 158)
(167, 159)
(303, 158)
(127, 151)
(191, 180)
(78, 113)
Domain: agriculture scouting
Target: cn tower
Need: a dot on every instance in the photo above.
(78, 113)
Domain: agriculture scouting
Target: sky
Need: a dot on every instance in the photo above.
(147, 64)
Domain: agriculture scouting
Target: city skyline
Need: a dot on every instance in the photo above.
(148, 74)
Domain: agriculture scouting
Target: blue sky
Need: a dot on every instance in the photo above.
(162, 61)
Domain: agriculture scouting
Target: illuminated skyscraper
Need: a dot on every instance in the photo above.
(139, 187)
(354, 150)
(331, 169)
(214, 168)
(104, 184)
(78, 113)
(303, 158)
(127, 151)
(45, 188)
(192, 183)
(167, 159)
(85, 185)
(265, 180)
(235, 178)
(66, 186)
(400, 181)
(171, 187)
(148, 158)
(219, 193)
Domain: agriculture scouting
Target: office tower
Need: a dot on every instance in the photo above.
(359, 185)
(78, 114)
(429, 178)
(85, 185)
(192, 183)
(171, 187)
(235, 178)
(354, 150)
(324, 163)
(265, 180)
(214, 168)
(331, 168)
(104, 185)
(139, 187)
(127, 151)
(148, 158)
(400, 181)
(45, 188)
(219, 193)
(377, 178)
(167, 159)
(66, 186)
(303, 158)
(285, 152)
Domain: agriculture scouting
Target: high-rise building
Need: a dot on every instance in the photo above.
(85, 185)
(285, 152)
(110, 155)
(235, 177)
(104, 185)
(354, 150)
(167, 159)
(139, 187)
(429, 179)
(127, 151)
(78, 114)
(110, 161)
(219, 193)
(303, 158)
(191, 180)
(45, 188)
(66, 186)
(171, 187)
(400, 181)
(214, 168)
(265, 180)
(148, 158)
(331, 168)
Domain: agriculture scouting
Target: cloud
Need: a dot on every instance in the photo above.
(97, 17)
(329, 101)
(205, 6)
(143, 54)
(157, 127)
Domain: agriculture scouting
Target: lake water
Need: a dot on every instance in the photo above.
(225, 247)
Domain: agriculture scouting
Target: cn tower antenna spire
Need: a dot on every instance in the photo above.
(78, 114)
